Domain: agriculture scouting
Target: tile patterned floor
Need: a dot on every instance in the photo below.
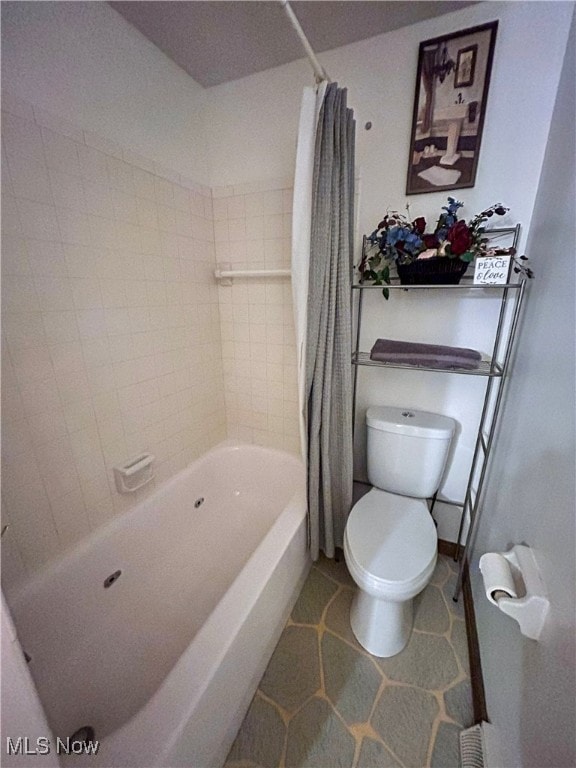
(324, 702)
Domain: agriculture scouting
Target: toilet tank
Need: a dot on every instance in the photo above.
(407, 449)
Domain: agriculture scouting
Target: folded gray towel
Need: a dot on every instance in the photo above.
(429, 355)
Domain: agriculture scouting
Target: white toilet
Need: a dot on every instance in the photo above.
(390, 541)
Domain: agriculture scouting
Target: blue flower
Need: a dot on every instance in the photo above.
(413, 243)
(396, 234)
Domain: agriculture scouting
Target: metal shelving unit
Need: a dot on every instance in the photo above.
(494, 369)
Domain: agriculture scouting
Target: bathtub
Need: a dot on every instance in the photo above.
(163, 662)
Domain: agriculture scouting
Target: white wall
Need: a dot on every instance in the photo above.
(531, 497)
(253, 125)
(253, 121)
(84, 61)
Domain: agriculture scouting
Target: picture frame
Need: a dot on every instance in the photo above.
(465, 66)
(452, 84)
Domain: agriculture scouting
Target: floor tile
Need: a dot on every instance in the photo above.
(404, 717)
(441, 573)
(459, 640)
(337, 617)
(335, 569)
(457, 608)
(351, 680)
(293, 674)
(430, 611)
(458, 704)
(325, 702)
(446, 753)
(317, 737)
(316, 592)
(427, 661)
(374, 754)
(261, 739)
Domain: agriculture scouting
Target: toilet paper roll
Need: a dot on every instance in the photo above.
(497, 576)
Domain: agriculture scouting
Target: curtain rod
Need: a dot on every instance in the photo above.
(319, 70)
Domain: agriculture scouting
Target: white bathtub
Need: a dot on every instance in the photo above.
(163, 663)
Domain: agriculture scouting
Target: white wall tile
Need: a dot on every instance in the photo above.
(256, 315)
(67, 357)
(93, 166)
(67, 190)
(111, 323)
(46, 258)
(22, 138)
(86, 293)
(11, 224)
(14, 105)
(70, 518)
(133, 158)
(107, 146)
(29, 178)
(14, 256)
(31, 364)
(58, 124)
(81, 260)
(19, 294)
(37, 220)
(23, 329)
(54, 293)
(60, 327)
(61, 152)
(91, 323)
(74, 227)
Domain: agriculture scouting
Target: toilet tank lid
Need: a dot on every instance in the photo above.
(408, 421)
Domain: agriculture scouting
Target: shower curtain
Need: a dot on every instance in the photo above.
(321, 277)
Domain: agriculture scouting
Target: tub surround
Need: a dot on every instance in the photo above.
(113, 343)
(252, 230)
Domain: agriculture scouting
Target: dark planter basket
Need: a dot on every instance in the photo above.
(435, 271)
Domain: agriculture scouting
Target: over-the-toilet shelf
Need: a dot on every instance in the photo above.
(486, 367)
(494, 368)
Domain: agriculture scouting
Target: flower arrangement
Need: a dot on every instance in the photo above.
(400, 240)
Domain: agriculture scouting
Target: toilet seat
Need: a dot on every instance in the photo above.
(390, 544)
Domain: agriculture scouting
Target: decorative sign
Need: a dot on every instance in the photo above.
(491, 270)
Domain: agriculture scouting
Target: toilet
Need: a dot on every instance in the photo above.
(390, 541)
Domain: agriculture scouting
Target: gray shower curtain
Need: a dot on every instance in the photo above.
(329, 328)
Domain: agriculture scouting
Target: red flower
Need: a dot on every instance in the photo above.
(459, 238)
(419, 225)
(430, 241)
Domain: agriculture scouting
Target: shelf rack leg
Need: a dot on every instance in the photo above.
(475, 512)
(355, 367)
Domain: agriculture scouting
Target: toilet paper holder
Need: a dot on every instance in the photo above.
(531, 607)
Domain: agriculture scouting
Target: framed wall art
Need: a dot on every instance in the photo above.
(452, 83)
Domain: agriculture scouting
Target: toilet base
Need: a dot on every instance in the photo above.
(382, 627)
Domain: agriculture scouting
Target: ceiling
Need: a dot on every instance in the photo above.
(219, 40)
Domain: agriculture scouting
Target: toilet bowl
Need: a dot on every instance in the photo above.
(390, 546)
(390, 540)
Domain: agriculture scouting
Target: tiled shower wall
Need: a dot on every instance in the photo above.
(252, 230)
(111, 331)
